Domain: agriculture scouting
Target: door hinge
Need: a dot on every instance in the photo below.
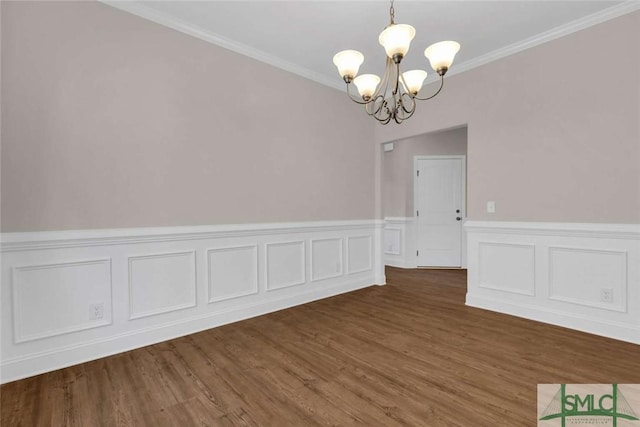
(418, 173)
(417, 253)
(417, 213)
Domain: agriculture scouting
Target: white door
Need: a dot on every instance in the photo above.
(439, 198)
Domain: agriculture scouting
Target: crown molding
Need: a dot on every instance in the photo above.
(139, 9)
(185, 27)
(544, 37)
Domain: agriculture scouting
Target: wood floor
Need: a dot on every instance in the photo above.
(409, 353)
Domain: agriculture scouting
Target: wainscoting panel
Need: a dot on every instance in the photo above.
(233, 272)
(161, 283)
(359, 254)
(55, 299)
(285, 265)
(326, 259)
(507, 267)
(580, 276)
(400, 242)
(392, 240)
(76, 296)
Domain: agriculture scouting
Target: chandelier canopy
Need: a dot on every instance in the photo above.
(393, 97)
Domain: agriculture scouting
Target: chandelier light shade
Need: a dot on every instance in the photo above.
(393, 97)
(396, 39)
(441, 54)
(412, 80)
(348, 63)
(366, 84)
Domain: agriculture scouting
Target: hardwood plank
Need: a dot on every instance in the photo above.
(409, 353)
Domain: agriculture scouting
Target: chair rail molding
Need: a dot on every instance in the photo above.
(576, 275)
(85, 294)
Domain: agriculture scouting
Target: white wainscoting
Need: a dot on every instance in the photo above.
(399, 242)
(232, 272)
(160, 283)
(357, 249)
(286, 265)
(558, 273)
(46, 288)
(74, 296)
(326, 259)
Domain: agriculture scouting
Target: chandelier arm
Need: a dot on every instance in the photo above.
(384, 121)
(409, 112)
(437, 92)
(404, 85)
(396, 84)
(382, 113)
(413, 104)
(383, 104)
(372, 104)
(384, 81)
(403, 113)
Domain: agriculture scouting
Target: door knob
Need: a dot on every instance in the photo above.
(458, 218)
(457, 210)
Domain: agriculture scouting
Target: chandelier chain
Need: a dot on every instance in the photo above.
(392, 13)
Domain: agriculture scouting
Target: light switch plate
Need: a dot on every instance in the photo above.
(491, 207)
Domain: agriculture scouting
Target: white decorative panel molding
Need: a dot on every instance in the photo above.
(359, 252)
(392, 241)
(285, 265)
(197, 277)
(580, 276)
(232, 272)
(595, 278)
(507, 267)
(399, 244)
(57, 298)
(161, 283)
(326, 259)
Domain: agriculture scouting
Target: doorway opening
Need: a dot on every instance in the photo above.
(424, 200)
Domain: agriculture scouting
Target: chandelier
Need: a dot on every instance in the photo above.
(394, 98)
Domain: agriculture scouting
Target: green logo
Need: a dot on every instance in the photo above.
(589, 406)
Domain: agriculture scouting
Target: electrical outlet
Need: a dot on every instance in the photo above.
(491, 207)
(96, 311)
(606, 295)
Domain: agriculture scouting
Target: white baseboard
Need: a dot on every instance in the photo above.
(58, 358)
(619, 331)
(158, 284)
(558, 273)
(398, 263)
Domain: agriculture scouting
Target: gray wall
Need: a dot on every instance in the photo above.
(553, 131)
(112, 121)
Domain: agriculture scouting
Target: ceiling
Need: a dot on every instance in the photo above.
(302, 36)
